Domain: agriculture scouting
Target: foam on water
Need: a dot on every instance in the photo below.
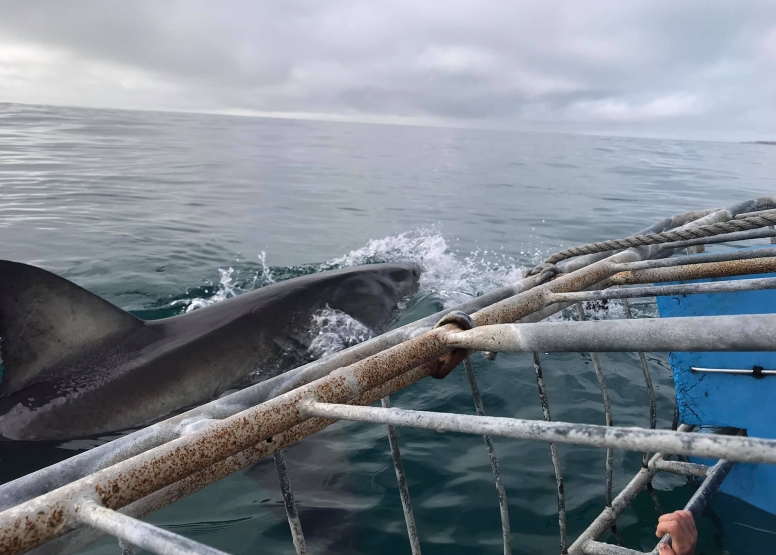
(450, 277)
(447, 276)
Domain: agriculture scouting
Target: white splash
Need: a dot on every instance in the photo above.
(610, 310)
(228, 286)
(444, 274)
(226, 289)
(334, 330)
(265, 277)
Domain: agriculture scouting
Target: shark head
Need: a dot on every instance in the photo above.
(406, 278)
(371, 293)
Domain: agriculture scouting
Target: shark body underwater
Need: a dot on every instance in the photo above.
(76, 365)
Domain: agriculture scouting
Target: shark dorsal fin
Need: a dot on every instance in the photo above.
(45, 318)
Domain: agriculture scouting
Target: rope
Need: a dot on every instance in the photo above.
(744, 224)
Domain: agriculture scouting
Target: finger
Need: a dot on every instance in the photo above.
(668, 517)
(670, 527)
(687, 524)
(683, 516)
(665, 549)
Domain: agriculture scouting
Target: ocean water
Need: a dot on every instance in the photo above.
(162, 213)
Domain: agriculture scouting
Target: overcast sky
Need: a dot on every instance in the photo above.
(679, 68)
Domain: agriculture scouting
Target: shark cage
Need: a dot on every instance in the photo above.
(713, 320)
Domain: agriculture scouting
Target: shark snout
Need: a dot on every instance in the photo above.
(407, 278)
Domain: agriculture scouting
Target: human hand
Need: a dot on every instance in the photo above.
(681, 526)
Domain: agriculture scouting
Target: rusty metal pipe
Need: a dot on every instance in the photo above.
(41, 519)
(696, 271)
(741, 254)
(666, 290)
(78, 538)
(723, 238)
(702, 495)
(401, 480)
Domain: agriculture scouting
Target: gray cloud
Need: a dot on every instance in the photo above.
(648, 67)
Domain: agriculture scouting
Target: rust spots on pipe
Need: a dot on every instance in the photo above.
(696, 271)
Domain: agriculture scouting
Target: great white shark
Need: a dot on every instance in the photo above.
(75, 365)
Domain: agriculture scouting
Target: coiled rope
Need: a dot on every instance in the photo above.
(763, 219)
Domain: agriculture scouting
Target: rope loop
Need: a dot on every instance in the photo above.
(545, 272)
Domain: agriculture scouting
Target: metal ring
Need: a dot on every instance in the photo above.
(446, 364)
(457, 317)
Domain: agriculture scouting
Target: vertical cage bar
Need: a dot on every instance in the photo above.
(401, 479)
(599, 374)
(647, 380)
(127, 548)
(494, 464)
(554, 455)
(288, 499)
(607, 409)
(652, 407)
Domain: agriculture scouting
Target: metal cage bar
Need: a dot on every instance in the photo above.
(401, 480)
(695, 333)
(599, 374)
(294, 524)
(739, 449)
(647, 380)
(543, 398)
(503, 506)
(154, 539)
(126, 548)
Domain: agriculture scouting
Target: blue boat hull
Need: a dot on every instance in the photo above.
(729, 400)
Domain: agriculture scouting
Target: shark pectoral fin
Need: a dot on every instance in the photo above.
(45, 319)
